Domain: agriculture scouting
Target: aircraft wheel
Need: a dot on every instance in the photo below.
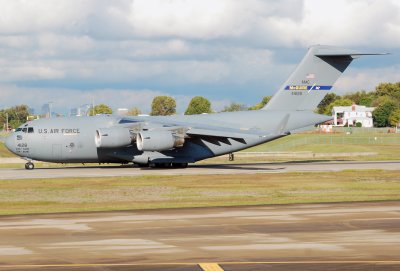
(29, 166)
(153, 165)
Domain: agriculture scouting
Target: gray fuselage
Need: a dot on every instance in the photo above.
(72, 139)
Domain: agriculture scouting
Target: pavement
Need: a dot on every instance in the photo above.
(343, 236)
(198, 169)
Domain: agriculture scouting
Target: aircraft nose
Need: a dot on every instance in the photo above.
(10, 143)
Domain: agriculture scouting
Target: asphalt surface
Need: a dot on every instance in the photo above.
(345, 236)
(198, 169)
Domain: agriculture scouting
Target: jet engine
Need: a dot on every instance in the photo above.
(113, 137)
(158, 141)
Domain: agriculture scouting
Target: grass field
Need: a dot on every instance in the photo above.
(4, 152)
(386, 146)
(147, 192)
(325, 140)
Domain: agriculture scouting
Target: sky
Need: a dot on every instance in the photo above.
(125, 52)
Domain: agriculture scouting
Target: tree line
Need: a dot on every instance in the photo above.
(385, 98)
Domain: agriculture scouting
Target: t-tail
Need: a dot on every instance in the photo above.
(313, 78)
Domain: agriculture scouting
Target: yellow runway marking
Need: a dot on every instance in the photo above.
(210, 267)
(396, 262)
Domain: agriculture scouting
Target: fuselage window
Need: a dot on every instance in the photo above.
(30, 130)
(18, 130)
(24, 130)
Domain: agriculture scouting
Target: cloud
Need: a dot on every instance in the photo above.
(173, 62)
(210, 19)
(351, 23)
(190, 19)
(19, 16)
(366, 79)
(269, 22)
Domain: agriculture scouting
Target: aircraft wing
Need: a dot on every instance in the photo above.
(203, 130)
(240, 133)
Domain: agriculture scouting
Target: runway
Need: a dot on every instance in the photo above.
(198, 169)
(345, 236)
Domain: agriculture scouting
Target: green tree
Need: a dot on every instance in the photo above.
(198, 105)
(388, 89)
(234, 107)
(261, 104)
(163, 106)
(326, 101)
(361, 97)
(17, 115)
(382, 113)
(381, 100)
(100, 109)
(394, 118)
(134, 111)
(366, 100)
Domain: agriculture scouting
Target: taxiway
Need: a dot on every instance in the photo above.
(198, 169)
(345, 236)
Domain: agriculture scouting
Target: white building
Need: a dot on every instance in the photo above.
(353, 114)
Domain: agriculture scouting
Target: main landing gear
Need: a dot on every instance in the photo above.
(168, 165)
(29, 166)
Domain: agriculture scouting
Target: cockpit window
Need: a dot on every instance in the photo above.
(23, 128)
(29, 130)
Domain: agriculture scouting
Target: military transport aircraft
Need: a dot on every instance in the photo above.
(175, 141)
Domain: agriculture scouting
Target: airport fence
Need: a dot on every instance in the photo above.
(363, 130)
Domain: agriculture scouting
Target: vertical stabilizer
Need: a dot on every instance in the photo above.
(313, 78)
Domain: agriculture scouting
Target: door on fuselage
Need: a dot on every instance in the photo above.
(57, 151)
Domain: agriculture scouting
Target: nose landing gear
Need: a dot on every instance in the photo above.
(29, 166)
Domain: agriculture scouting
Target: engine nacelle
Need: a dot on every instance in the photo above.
(113, 137)
(158, 141)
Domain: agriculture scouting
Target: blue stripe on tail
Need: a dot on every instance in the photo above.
(302, 87)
